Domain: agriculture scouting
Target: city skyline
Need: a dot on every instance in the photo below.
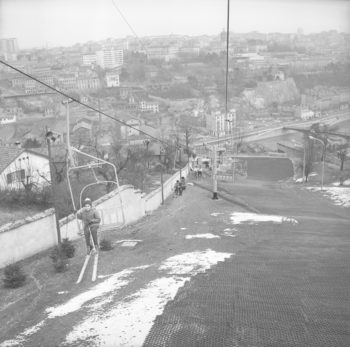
(54, 23)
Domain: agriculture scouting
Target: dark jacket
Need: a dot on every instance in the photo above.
(90, 219)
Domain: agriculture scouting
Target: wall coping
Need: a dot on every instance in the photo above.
(20, 222)
(63, 221)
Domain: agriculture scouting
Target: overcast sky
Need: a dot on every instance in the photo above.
(37, 23)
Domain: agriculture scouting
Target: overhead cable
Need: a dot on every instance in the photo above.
(85, 105)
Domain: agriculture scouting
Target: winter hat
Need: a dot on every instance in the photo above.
(87, 201)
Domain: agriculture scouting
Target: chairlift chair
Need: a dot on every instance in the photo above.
(113, 217)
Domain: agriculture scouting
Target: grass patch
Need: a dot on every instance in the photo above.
(14, 276)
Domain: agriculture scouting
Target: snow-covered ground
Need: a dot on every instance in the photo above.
(108, 320)
(254, 218)
(339, 195)
(202, 236)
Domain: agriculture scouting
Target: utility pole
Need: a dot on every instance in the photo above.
(161, 182)
(70, 155)
(161, 152)
(233, 149)
(187, 138)
(304, 163)
(215, 182)
(49, 136)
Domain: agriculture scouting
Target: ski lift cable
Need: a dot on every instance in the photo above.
(128, 24)
(85, 105)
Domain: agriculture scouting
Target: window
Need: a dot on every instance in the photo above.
(16, 176)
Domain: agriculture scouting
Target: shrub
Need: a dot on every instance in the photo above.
(105, 245)
(68, 248)
(14, 276)
(59, 259)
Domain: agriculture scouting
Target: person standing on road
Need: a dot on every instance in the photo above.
(183, 183)
(91, 221)
(177, 188)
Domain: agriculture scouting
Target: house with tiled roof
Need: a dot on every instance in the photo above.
(21, 167)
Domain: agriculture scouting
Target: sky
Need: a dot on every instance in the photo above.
(50, 23)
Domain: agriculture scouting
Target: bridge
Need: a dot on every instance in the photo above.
(266, 133)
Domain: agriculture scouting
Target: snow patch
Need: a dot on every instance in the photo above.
(229, 234)
(183, 228)
(339, 195)
(193, 262)
(112, 284)
(215, 214)
(202, 236)
(60, 293)
(127, 323)
(21, 338)
(253, 218)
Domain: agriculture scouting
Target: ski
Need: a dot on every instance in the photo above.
(94, 269)
(87, 258)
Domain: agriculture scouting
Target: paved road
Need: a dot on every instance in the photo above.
(289, 285)
(272, 283)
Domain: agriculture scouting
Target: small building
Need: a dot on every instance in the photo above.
(125, 130)
(20, 167)
(112, 79)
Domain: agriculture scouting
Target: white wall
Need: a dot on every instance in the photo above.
(25, 238)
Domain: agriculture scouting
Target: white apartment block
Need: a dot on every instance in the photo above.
(110, 58)
(149, 106)
(9, 45)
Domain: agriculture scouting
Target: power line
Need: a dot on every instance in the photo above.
(83, 104)
(128, 24)
(125, 20)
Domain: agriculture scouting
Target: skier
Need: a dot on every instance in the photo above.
(91, 220)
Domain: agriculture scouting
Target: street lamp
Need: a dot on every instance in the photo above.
(323, 157)
(50, 136)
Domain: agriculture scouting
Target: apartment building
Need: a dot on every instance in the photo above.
(68, 82)
(89, 59)
(149, 106)
(165, 53)
(110, 58)
(219, 124)
(88, 83)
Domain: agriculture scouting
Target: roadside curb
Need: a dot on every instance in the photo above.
(225, 195)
